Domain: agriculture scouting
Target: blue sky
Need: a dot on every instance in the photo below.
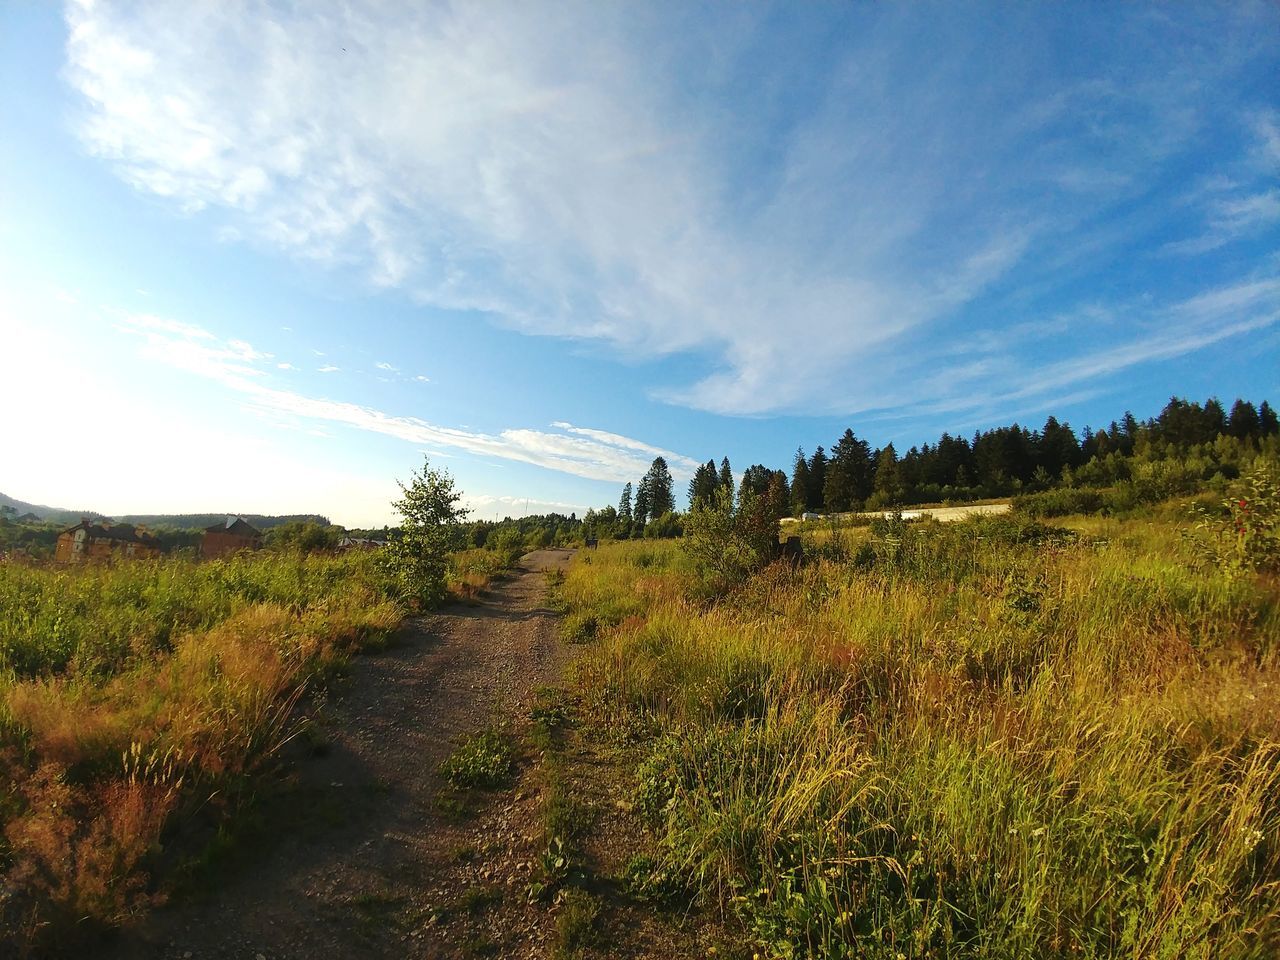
(261, 257)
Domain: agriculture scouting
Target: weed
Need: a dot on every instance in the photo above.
(483, 760)
(577, 923)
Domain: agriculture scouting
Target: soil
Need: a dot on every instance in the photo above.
(372, 854)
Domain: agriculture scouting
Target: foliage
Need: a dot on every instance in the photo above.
(993, 738)
(1245, 535)
(142, 699)
(304, 535)
(429, 530)
(482, 760)
(1059, 503)
(726, 542)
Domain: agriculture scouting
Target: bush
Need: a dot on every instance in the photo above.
(429, 530)
(728, 544)
(1245, 535)
(1062, 502)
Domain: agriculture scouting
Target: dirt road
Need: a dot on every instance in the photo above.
(368, 861)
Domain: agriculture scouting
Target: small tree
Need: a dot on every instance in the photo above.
(429, 530)
(729, 543)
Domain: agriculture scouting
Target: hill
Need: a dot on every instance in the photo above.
(180, 520)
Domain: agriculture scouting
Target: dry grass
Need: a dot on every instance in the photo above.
(103, 754)
(987, 739)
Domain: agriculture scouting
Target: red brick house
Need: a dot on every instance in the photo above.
(235, 535)
(103, 540)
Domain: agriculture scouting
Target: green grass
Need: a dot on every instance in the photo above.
(577, 924)
(140, 699)
(482, 760)
(992, 738)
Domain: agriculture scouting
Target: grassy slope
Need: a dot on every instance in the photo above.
(979, 740)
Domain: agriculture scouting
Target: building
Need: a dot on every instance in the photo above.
(103, 540)
(359, 543)
(233, 536)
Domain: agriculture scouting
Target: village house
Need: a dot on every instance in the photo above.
(230, 537)
(103, 540)
(359, 543)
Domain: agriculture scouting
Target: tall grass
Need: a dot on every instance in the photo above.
(135, 698)
(988, 739)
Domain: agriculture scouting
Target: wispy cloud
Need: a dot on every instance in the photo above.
(535, 166)
(579, 451)
(328, 368)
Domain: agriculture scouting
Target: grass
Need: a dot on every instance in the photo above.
(138, 702)
(577, 924)
(482, 760)
(989, 739)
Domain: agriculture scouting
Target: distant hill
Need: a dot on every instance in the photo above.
(58, 514)
(180, 520)
(209, 519)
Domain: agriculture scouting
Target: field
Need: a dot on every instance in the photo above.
(141, 703)
(992, 738)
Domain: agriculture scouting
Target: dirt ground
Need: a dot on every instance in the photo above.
(367, 860)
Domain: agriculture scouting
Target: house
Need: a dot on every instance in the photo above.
(103, 540)
(231, 537)
(359, 543)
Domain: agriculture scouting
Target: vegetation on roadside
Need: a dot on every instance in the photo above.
(137, 701)
(995, 738)
(142, 703)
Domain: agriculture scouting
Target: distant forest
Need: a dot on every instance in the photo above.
(1185, 446)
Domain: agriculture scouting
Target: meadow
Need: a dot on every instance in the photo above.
(994, 738)
(139, 701)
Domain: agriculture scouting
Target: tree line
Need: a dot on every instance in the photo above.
(1002, 461)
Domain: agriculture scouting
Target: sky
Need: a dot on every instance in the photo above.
(265, 257)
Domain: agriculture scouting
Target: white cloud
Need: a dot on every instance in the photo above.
(538, 164)
(286, 366)
(421, 379)
(579, 451)
(383, 365)
(328, 368)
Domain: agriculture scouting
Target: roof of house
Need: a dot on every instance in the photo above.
(235, 526)
(116, 531)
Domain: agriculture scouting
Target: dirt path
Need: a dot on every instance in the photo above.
(370, 862)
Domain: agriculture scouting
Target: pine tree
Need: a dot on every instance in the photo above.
(726, 475)
(644, 504)
(817, 479)
(799, 484)
(624, 504)
(658, 484)
(849, 475)
(888, 483)
(702, 488)
(1245, 421)
(755, 482)
(1268, 425)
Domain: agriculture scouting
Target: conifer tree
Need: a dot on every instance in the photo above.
(817, 479)
(799, 484)
(658, 485)
(888, 482)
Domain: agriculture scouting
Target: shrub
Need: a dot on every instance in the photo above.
(1245, 534)
(1061, 502)
(482, 760)
(429, 530)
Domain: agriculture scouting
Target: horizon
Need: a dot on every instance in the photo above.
(276, 260)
